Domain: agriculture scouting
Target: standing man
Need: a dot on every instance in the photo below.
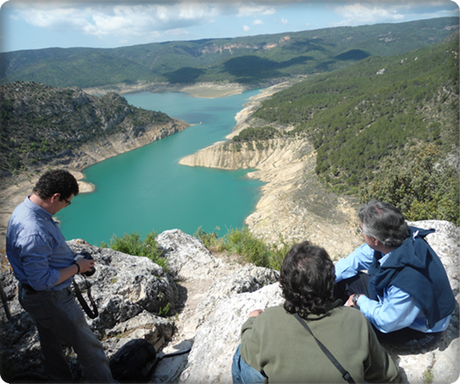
(44, 265)
(405, 292)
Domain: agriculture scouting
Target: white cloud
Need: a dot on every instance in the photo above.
(124, 19)
(368, 13)
(376, 11)
(142, 21)
(255, 10)
(136, 20)
(177, 32)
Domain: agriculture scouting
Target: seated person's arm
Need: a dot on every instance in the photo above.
(360, 259)
(395, 311)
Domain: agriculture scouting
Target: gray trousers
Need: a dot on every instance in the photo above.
(60, 318)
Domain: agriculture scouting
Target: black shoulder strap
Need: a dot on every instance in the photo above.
(92, 314)
(345, 374)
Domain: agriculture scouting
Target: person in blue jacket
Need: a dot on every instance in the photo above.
(395, 279)
(44, 266)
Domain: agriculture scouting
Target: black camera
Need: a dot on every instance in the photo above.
(86, 255)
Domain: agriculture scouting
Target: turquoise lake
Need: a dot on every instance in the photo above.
(146, 189)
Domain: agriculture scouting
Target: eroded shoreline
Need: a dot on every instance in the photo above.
(200, 90)
(288, 206)
(294, 206)
(14, 189)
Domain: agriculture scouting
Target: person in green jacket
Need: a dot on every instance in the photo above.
(275, 347)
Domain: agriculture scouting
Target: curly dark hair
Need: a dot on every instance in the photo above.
(57, 181)
(307, 279)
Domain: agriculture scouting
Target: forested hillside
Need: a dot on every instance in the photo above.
(39, 122)
(248, 60)
(385, 117)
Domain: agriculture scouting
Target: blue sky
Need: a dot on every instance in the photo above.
(35, 24)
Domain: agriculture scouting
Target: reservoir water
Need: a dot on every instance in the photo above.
(147, 189)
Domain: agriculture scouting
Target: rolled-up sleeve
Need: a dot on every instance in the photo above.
(35, 254)
(360, 259)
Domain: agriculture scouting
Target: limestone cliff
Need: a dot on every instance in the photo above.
(116, 144)
(206, 298)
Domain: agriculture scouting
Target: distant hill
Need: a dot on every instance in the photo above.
(357, 116)
(40, 123)
(247, 60)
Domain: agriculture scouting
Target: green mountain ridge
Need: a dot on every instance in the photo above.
(358, 115)
(247, 60)
(386, 127)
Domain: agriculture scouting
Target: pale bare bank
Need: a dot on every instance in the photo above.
(202, 90)
(294, 205)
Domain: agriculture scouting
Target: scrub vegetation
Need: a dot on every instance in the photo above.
(238, 241)
(133, 244)
(242, 242)
(384, 128)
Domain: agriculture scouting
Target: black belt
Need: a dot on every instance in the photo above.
(28, 288)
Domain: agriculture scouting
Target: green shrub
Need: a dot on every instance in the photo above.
(424, 186)
(251, 133)
(242, 242)
(132, 244)
(208, 239)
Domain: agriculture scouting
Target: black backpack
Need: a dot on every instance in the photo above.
(128, 363)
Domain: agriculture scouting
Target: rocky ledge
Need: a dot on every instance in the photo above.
(199, 304)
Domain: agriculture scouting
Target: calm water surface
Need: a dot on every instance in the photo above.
(146, 189)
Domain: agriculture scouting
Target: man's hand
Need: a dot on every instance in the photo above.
(71, 270)
(255, 313)
(85, 264)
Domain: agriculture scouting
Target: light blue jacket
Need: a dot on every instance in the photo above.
(36, 248)
(395, 309)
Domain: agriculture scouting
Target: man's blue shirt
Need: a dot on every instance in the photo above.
(36, 248)
(396, 309)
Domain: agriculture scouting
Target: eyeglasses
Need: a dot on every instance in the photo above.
(67, 201)
(359, 230)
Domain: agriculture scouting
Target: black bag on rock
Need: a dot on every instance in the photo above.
(128, 364)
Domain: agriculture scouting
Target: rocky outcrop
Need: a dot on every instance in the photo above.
(209, 299)
(217, 339)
